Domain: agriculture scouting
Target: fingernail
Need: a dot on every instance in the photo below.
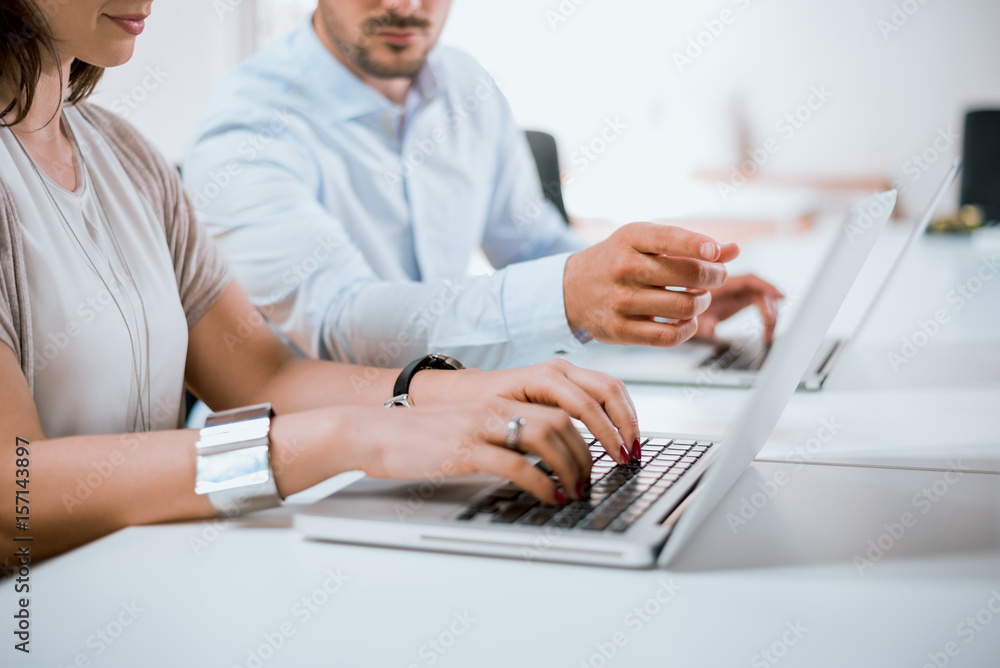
(581, 490)
(625, 455)
(710, 250)
(560, 497)
(636, 451)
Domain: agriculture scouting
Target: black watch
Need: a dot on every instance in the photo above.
(401, 390)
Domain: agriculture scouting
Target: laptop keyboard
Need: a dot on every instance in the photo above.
(738, 356)
(619, 495)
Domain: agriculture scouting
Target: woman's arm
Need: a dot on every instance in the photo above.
(234, 359)
(83, 487)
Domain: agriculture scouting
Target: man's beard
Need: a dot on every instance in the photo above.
(360, 54)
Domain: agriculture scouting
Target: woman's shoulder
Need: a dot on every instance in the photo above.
(149, 170)
(124, 138)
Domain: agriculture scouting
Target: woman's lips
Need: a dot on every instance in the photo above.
(133, 25)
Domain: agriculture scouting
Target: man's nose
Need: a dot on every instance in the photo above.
(402, 7)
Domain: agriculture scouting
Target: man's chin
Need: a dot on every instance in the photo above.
(394, 65)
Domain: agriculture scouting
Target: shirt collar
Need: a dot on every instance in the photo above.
(343, 94)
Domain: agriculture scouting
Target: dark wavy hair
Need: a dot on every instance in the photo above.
(26, 40)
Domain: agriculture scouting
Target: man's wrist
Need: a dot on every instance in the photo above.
(573, 319)
(535, 310)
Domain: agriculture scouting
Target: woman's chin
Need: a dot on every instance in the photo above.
(110, 57)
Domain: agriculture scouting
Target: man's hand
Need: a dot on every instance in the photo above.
(614, 289)
(738, 293)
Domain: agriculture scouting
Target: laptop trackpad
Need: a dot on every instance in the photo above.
(376, 498)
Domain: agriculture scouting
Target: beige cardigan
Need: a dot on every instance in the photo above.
(201, 273)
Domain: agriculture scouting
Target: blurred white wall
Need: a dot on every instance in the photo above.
(891, 89)
(898, 72)
(186, 47)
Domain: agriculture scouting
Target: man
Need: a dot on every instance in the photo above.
(350, 171)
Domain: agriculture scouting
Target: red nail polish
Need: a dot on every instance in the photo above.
(636, 450)
(560, 497)
(625, 455)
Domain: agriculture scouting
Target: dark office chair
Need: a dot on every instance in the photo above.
(546, 154)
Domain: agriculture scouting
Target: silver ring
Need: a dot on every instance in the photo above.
(512, 434)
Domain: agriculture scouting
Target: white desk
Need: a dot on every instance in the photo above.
(788, 584)
(208, 608)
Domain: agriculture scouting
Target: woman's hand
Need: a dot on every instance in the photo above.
(601, 402)
(434, 442)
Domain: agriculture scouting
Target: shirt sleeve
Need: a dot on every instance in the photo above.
(9, 333)
(301, 269)
(523, 224)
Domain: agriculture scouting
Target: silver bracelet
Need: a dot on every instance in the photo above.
(234, 467)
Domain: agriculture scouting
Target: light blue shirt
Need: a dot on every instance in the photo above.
(351, 221)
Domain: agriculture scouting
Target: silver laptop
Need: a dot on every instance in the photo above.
(735, 363)
(632, 510)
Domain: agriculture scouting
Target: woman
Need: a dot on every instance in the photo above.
(111, 300)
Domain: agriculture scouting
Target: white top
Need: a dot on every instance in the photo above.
(95, 369)
(351, 220)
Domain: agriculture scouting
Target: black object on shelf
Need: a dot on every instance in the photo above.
(981, 154)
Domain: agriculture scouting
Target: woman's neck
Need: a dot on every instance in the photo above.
(41, 131)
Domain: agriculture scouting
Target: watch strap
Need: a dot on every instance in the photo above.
(401, 388)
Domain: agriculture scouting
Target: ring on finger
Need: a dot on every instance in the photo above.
(512, 433)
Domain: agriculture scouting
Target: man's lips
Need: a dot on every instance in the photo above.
(396, 36)
(133, 24)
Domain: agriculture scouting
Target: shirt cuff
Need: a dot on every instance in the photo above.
(534, 311)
